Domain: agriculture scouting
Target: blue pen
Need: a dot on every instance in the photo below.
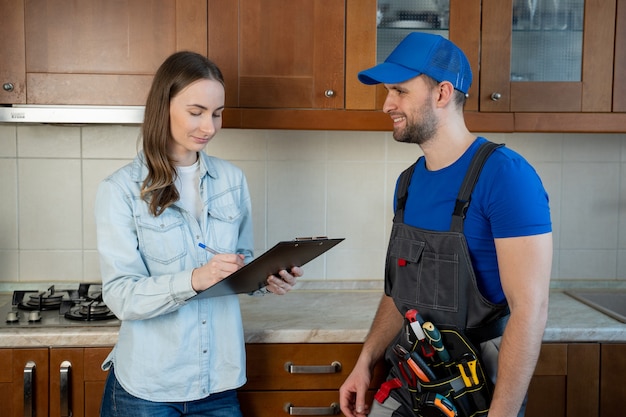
(208, 249)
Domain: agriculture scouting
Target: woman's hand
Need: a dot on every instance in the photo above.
(219, 267)
(283, 283)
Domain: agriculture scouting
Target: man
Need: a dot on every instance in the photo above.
(506, 228)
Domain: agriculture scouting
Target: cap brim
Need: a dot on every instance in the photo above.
(387, 73)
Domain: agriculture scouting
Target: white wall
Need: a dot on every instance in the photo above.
(303, 183)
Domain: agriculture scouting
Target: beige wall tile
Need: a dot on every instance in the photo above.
(8, 141)
(356, 206)
(8, 204)
(297, 145)
(239, 145)
(589, 206)
(9, 271)
(50, 201)
(296, 196)
(47, 141)
(356, 146)
(51, 265)
(110, 142)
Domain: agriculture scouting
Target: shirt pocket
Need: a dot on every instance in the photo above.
(224, 222)
(162, 238)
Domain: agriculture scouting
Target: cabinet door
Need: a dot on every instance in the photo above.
(368, 44)
(67, 395)
(105, 52)
(24, 382)
(279, 54)
(612, 387)
(566, 381)
(286, 403)
(13, 61)
(547, 56)
(95, 379)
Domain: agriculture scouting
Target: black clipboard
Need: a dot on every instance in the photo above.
(284, 255)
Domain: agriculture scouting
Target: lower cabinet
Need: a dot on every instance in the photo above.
(56, 382)
(299, 379)
(303, 379)
(566, 381)
(612, 375)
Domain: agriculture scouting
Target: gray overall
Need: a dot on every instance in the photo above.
(432, 272)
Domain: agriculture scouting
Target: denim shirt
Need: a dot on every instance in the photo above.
(169, 349)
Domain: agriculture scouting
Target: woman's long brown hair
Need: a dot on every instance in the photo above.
(177, 72)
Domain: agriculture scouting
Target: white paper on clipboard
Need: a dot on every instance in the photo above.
(284, 255)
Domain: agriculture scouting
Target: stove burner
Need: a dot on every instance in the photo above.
(38, 301)
(89, 311)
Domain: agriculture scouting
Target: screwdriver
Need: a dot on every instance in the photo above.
(434, 337)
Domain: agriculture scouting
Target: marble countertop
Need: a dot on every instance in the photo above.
(326, 316)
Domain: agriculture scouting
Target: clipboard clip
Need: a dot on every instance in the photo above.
(311, 238)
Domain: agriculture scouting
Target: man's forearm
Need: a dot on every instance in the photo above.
(385, 326)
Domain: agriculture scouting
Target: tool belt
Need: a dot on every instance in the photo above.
(436, 372)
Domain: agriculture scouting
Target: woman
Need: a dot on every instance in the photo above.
(175, 357)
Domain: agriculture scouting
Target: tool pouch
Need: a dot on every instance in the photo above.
(460, 386)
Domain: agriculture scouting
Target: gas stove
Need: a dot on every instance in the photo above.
(58, 307)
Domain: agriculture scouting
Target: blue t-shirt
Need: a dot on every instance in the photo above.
(508, 200)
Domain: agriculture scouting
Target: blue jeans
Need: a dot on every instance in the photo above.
(116, 402)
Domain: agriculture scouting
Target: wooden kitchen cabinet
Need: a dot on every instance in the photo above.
(301, 375)
(612, 386)
(91, 52)
(24, 382)
(65, 380)
(566, 381)
(279, 54)
(591, 93)
(12, 53)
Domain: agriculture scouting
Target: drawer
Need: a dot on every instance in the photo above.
(285, 403)
(298, 366)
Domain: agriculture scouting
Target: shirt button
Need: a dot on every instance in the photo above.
(204, 351)
(203, 321)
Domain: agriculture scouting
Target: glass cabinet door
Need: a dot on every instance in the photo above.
(457, 20)
(395, 19)
(547, 55)
(547, 40)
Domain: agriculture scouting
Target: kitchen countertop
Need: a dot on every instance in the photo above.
(325, 316)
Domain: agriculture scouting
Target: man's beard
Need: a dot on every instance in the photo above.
(418, 132)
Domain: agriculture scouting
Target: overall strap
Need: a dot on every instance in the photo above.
(471, 177)
(402, 193)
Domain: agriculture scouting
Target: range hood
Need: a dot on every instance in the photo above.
(67, 114)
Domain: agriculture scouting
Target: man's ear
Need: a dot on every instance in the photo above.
(445, 93)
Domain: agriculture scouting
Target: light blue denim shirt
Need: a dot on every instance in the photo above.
(170, 349)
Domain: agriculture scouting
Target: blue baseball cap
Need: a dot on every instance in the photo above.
(422, 53)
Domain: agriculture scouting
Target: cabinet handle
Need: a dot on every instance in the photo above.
(333, 368)
(292, 410)
(8, 87)
(29, 389)
(329, 93)
(64, 379)
(496, 96)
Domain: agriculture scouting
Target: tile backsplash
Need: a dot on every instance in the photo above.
(303, 183)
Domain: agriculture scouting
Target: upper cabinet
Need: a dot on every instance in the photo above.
(539, 65)
(280, 54)
(547, 55)
(91, 51)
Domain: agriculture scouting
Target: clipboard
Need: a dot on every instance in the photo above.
(284, 255)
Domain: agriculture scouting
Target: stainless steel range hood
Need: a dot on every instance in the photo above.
(66, 114)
